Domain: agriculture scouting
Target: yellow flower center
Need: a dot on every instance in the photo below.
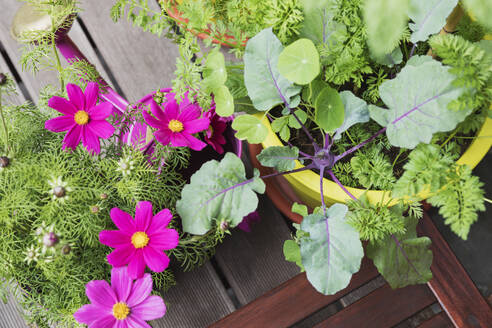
(121, 310)
(81, 117)
(175, 126)
(140, 239)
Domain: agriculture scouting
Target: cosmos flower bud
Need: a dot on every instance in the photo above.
(66, 249)
(4, 160)
(95, 209)
(224, 225)
(59, 191)
(50, 239)
(104, 196)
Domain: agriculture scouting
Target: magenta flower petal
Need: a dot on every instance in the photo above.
(59, 124)
(121, 324)
(114, 238)
(122, 220)
(194, 143)
(121, 256)
(160, 221)
(157, 111)
(172, 110)
(62, 105)
(178, 140)
(140, 291)
(189, 113)
(73, 136)
(163, 137)
(101, 111)
(76, 96)
(136, 267)
(135, 322)
(91, 312)
(197, 125)
(152, 308)
(150, 120)
(99, 292)
(90, 141)
(157, 261)
(164, 240)
(91, 92)
(101, 129)
(143, 215)
(104, 322)
(121, 283)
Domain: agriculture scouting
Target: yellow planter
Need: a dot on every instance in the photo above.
(306, 183)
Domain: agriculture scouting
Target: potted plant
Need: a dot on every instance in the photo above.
(82, 192)
(368, 110)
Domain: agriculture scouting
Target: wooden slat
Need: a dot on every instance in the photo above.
(11, 99)
(253, 262)
(440, 320)
(34, 83)
(140, 62)
(10, 316)
(198, 299)
(452, 286)
(382, 308)
(290, 302)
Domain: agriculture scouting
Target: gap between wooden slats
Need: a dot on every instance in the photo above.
(440, 320)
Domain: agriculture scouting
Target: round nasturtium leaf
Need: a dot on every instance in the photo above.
(214, 72)
(224, 102)
(299, 62)
(329, 111)
(249, 128)
(311, 91)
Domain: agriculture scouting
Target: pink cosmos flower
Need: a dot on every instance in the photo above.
(124, 304)
(215, 132)
(177, 123)
(82, 118)
(248, 221)
(140, 242)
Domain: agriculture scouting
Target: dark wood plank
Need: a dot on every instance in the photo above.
(253, 262)
(452, 286)
(290, 302)
(198, 299)
(382, 308)
(140, 62)
(440, 320)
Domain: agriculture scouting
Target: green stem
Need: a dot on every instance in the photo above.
(487, 200)
(57, 57)
(5, 130)
(394, 162)
(449, 138)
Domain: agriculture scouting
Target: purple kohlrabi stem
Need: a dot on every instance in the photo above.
(307, 167)
(300, 152)
(351, 150)
(321, 177)
(398, 244)
(334, 178)
(281, 95)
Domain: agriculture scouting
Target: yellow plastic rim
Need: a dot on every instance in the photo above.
(306, 184)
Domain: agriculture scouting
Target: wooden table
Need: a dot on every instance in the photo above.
(247, 265)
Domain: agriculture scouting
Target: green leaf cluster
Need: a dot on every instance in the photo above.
(452, 187)
(471, 64)
(375, 222)
(373, 169)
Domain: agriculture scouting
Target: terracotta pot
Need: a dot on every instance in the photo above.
(172, 11)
